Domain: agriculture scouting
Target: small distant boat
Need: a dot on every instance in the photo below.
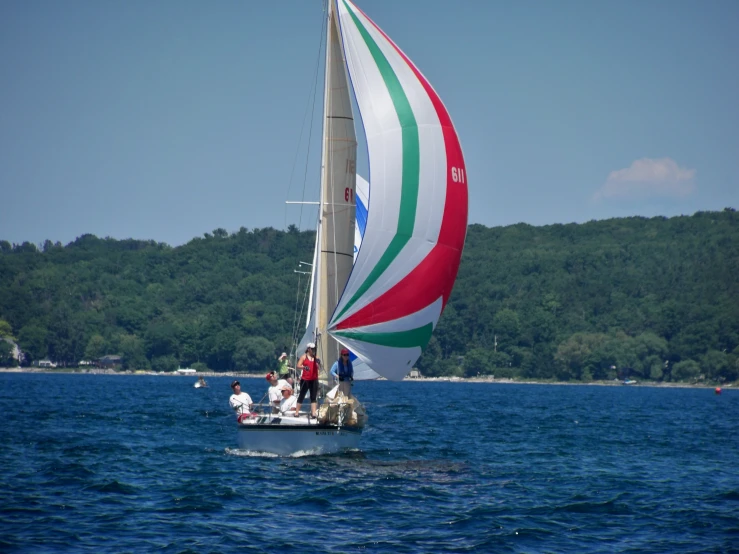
(200, 384)
(629, 382)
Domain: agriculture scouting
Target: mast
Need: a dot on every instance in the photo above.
(335, 237)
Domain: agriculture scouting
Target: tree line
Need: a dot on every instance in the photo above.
(641, 298)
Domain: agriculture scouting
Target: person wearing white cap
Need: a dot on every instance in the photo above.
(283, 370)
(287, 404)
(309, 379)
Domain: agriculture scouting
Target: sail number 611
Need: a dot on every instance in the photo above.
(458, 175)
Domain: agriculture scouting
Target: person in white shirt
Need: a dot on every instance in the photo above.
(275, 391)
(240, 401)
(287, 405)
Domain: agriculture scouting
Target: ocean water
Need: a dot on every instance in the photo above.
(98, 463)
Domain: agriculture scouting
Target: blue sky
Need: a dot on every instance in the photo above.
(166, 120)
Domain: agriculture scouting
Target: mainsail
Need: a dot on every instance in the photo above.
(335, 242)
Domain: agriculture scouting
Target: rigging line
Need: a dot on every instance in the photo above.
(324, 26)
(299, 314)
(311, 101)
(335, 253)
(299, 309)
(296, 318)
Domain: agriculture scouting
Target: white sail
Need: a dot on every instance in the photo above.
(335, 236)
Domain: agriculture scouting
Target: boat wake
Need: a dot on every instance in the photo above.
(249, 453)
(297, 454)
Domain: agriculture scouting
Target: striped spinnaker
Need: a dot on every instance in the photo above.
(417, 217)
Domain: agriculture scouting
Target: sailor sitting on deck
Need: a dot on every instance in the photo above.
(288, 402)
(240, 401)
(275, 391)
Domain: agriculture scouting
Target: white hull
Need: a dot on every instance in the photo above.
(289, 436)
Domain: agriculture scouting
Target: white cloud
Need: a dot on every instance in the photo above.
(648, 177)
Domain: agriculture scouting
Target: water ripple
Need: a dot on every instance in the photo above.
(144, 463)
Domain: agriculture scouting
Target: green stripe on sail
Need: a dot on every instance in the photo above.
(402, 339)
(411, 163)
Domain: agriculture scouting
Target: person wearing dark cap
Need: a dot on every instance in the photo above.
(309, 379)
(343, 370)
(240, 402)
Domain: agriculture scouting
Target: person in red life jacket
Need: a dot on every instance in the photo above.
(309, 379)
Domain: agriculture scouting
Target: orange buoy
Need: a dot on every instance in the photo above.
(718, 390)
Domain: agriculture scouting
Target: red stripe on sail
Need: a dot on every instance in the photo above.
(435, 275)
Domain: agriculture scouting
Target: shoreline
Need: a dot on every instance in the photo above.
(489, 380)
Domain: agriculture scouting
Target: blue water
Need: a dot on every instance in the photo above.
(92, 463)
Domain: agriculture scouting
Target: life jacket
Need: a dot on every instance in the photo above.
(310, 370)
(345, 370)
(245, 416)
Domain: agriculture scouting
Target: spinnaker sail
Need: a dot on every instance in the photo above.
(416, 223)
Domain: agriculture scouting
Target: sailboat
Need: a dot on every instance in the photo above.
(384, 301)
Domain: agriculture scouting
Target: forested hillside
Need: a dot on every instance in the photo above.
(642, 298)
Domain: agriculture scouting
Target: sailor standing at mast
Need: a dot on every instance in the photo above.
(343, 371)
(309, 379)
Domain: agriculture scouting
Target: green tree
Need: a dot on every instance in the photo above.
(716, 365)
(477, 362)
(95, 348)
(686, 370)
(450, 332)
(223, 348)
(254, 354)
(6, 354)
(6, 330)
(576, 355)
(430, 358)
(133, 352)
(507, 328)
(166, 363)
(654, 368)
(32, 340)
(501, 364)
(161, 339)
(450, 367)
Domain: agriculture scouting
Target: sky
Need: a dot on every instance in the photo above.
(166, 120)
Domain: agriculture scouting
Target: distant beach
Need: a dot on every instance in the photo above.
(486, 379)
